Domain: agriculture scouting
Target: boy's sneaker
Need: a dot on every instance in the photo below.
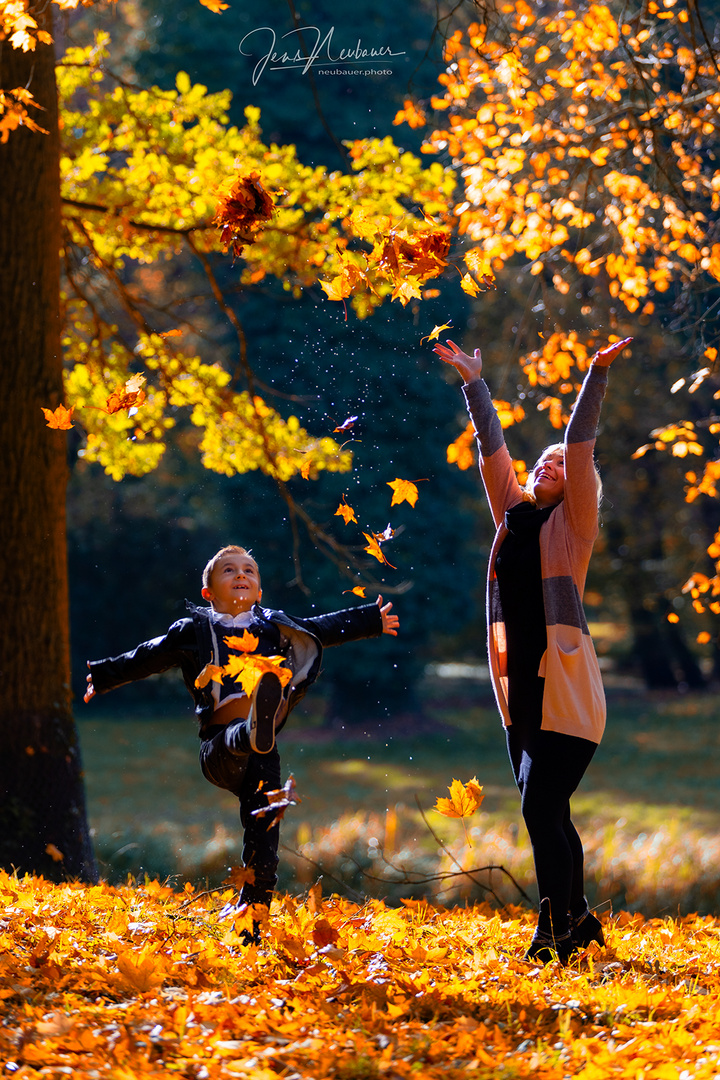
(265, 707)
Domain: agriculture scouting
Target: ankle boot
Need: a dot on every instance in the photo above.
(586, 928)
(544, 948)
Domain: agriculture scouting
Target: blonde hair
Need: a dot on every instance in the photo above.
(527, 496)
(231, 549)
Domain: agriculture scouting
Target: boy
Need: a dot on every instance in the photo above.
(237, 732)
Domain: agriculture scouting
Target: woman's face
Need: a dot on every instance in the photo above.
(547, 480)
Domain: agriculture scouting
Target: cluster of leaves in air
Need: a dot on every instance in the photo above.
(402, 491)
(149, 982)
(246, 666)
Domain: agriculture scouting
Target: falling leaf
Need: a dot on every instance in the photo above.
(239, 876)
(346, 512)
(55, 854)
(278, 801)
(215, 5)
(247, 642)
(172, 333)
(248, 669)
(404, 491)
(374, 540)
(128, 395)
(435, 332)
(464, 799)
(347, 425)
(469, 285)
(359, 590)
(60, 419)
(211, 672)
(305, 470)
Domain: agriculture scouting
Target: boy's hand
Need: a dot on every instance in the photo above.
(470, 367)
(90, 692)
(390, 622)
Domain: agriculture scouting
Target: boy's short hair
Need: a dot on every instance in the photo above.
(231, 549)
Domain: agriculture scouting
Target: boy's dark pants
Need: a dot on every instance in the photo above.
(226, 762)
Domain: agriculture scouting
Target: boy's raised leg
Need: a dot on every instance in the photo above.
(266, 702)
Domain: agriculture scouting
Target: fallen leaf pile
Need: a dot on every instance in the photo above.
(144, 981)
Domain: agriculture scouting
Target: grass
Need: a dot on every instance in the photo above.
(648, 809)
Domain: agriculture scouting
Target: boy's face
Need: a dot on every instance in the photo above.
(234, 585)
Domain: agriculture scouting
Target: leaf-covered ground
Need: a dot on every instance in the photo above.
(128, 982)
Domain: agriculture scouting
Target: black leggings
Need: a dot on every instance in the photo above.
(548, 767)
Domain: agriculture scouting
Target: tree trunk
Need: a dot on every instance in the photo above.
(43, 826)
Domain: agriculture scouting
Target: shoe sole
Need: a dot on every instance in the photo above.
(265, 706)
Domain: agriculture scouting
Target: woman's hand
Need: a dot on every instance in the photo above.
(470, 367)
(605, 357)
(390, 623)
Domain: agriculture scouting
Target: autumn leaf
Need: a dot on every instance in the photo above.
(239, 876)
(60, 419)
(404, 491)
(469, 285)
(436, 332)
(347, 425)
(359, 590)
(373, 547)
(142, 970)
(210, 673)
(215, 5)
(243, 211)
(346, 512)
(173, 333)
(246, 642)
(278, 801)
(464, 799)
(55, 854)
(128, 395)
(248, 669)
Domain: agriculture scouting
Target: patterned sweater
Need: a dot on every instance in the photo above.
(574, 700)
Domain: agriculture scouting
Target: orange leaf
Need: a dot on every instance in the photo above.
(55, 854)
(373, 546)
(208, 673)
(247, 642)
(243, 211)
(469, 285)
(464, 799)
(359, 590)
(126, 396)
(61, 419)
(214, 5)
(172, 333)
(278, 801)
(346, 512)
(248, 669)
(239, 876)
(404, 491)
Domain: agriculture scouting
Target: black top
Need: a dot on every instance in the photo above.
(519, 578)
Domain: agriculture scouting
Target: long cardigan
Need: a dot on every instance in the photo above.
(573, 700)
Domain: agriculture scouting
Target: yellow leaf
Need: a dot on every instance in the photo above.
(247, 642)
(359, 590)
(464, 799)
(435, 332)
(346, 512)
(208, 673)
(404, 491)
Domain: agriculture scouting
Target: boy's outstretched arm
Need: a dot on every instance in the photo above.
(390, 623)
(90, 689)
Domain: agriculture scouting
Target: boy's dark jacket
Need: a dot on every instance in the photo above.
(188, 645)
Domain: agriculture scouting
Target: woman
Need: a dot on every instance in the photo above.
(542, 662)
